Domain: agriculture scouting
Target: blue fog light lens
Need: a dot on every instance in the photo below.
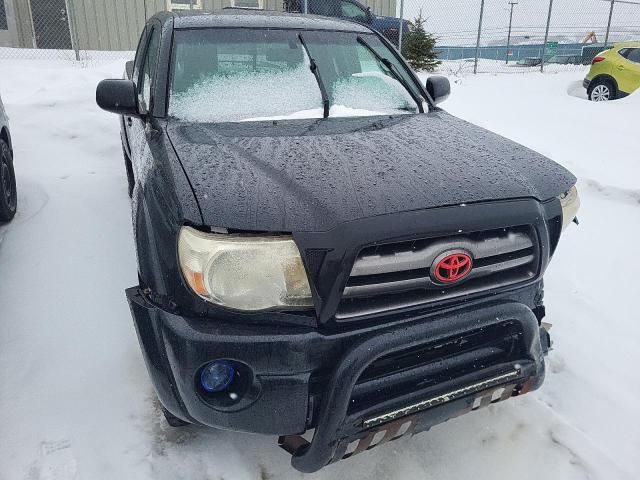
(216, 376)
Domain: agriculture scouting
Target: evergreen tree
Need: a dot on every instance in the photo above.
(418, 46)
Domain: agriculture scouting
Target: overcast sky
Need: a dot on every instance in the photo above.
(456, 21)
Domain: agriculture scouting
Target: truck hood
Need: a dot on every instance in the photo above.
(310, 175)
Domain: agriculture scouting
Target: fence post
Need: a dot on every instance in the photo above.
(475, 64)
(546, 37)
(72, 29)
(401, 26)
(606, 38)
(511, 4)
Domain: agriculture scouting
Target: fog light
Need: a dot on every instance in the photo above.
(217, 376)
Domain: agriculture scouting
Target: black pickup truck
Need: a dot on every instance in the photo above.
(354, 11)
(320, 247)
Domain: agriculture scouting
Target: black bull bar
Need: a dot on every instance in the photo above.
(338, 428)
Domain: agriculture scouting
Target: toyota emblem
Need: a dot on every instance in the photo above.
(451, 267)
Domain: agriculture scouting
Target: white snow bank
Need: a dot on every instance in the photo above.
(633, 99)
(597, 141)
(75, 398)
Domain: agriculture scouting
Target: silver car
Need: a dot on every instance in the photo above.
(8, 196)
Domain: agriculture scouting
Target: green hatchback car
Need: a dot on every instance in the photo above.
(615, 73)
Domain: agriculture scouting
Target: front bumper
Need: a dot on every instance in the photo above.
(348, 385)
(586, 83)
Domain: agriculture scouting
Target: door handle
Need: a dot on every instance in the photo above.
(620, 67)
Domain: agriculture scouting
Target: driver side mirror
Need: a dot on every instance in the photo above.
(117, 96)
(439, 88)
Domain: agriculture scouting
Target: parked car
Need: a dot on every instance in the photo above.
(351, 10)
(529, 62)
(566, 59)
(319, 245)
(614, 73)
(8, 195)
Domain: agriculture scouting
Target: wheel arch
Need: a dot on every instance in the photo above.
(606, 77)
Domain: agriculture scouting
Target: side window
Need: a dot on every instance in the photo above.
(148, 73)
(353, 11)
(634, 55)
(328, 8)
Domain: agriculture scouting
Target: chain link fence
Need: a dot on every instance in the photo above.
(474, 36)
(524, 35)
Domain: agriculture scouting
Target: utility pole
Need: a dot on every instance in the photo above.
(475, 65)
(512, 4)
(400, 32)
(546, 36)
(606, 38)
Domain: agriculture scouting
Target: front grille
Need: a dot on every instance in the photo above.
(392, 276)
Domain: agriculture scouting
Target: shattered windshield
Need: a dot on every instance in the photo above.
(233, 74)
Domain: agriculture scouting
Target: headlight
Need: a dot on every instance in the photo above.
(570, 202)
(244, 272)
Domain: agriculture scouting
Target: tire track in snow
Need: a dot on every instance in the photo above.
(622, 195)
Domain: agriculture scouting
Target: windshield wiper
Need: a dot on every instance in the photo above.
(316, 73)
(392, 68)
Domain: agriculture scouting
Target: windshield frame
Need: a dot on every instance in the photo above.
(425, 97)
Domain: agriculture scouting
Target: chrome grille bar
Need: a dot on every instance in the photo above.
(413, 259)
(398, 275)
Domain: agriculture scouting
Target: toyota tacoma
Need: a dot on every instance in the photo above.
(321, 249)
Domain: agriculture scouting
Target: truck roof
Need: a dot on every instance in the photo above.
(252, 18)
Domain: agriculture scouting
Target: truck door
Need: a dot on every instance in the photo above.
(144, 77)
(132, 72)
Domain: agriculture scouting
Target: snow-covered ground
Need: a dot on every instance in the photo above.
(75, 398)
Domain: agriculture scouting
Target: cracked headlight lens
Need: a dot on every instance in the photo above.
(244, 272)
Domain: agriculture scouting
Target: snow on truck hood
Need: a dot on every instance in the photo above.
(334, 111)
(310, 175)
